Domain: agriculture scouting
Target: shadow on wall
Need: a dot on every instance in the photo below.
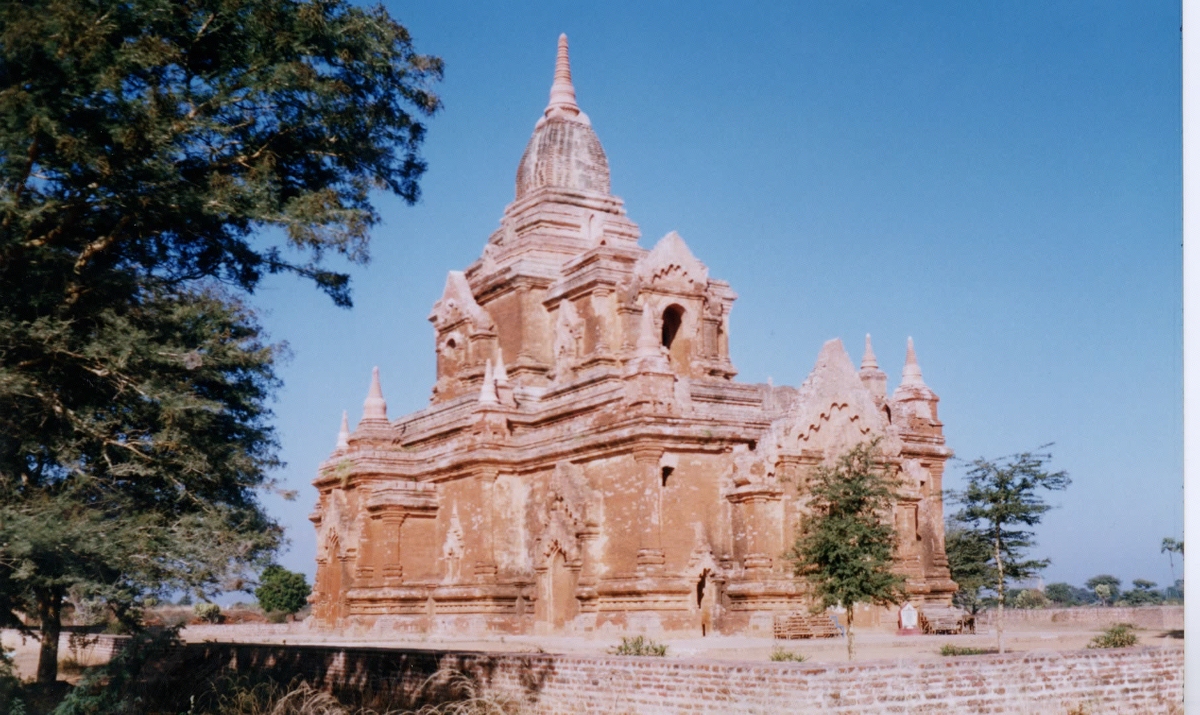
(194, 674)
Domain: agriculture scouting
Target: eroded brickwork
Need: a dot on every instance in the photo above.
(587, 461)
(1127, 681)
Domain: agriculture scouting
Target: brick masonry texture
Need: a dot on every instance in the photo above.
(1135, 680)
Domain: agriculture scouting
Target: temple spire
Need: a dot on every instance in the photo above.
(871, 375)
(500, 373)
(487, 393)
(374, 407)
(868, 361)
(343, 440)
(912, 371)
(562, 92)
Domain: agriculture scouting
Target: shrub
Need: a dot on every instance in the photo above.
(781, 654)
(207, 612)
(1119, 635)
(1030, 598)
(282, 590)
(951, 649)
(639, 646)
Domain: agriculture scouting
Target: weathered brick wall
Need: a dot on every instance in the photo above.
(240, 631)
(1136, 680)
(90, 648)
(1165, 617)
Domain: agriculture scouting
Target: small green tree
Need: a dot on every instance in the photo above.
(1144, 593)
(1031, 598)
(282, 591)
(846, 549)
(1001, 499)
(1062, 594)
(968, 553)
(1106, 587)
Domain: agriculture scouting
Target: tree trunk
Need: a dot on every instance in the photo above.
(49, 605)
(850, 633)
(999, 599)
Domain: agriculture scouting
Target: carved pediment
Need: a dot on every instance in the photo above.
(457, 304)
(672, 267)
(570, 491)
(833, 410)
(571, 507)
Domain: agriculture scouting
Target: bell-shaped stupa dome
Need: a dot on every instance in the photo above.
(564, 152)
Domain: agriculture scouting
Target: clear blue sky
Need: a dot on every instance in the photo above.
(1000, 181)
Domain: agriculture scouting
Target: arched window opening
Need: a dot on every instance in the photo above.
(666, 473)
(672, 319)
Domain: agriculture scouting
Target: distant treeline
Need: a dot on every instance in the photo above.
(1102, 590)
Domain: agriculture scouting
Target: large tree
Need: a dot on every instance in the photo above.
(846, 546)
(1002, 499)
(145, 148)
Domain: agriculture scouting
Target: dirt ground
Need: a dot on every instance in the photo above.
(869, 644)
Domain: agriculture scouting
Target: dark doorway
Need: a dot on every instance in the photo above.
(672, 319)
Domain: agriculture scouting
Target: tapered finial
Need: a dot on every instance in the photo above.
(869, 362)
(562, 92)
(374, 407)
(500, 373)
(343, 441)
(912, 371)
(487, 393)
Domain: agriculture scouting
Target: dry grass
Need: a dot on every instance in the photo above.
(460, 694)
(468, 699)
(782, 655)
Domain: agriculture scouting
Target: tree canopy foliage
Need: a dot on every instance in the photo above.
(968, 553)
(146, 146)
(1003, 498)
(846, 548)
(282, 591)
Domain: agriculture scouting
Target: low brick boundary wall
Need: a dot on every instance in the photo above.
(91, 647)
(1164, 617)
(1134, 680)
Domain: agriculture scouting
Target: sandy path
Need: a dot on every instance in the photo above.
(870, 644)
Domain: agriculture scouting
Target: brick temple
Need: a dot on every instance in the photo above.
(587, 461)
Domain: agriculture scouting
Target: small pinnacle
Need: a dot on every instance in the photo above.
(912, 371)
(501, 373)
(869, 362)
(343, 438)
(487, 393)
(374, 407)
